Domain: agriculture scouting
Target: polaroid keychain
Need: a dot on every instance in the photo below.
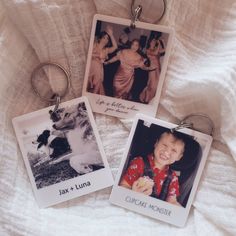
(60, 144)
(127, 62)
(162, 166)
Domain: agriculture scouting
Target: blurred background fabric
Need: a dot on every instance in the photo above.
(200, 77)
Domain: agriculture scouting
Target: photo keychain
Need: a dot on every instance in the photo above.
(162, 165)
(127, 61)
(60, 144)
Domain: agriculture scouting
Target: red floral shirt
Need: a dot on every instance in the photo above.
(136, 170)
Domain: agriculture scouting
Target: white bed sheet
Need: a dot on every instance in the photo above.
(200, 78)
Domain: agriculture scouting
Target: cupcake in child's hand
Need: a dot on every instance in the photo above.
(143, 185)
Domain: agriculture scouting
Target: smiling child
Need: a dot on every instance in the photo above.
(163, 182)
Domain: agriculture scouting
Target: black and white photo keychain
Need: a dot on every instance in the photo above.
(127, 61)
(162, 165)
(60, 144)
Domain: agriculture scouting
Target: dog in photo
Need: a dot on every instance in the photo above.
(84, 154)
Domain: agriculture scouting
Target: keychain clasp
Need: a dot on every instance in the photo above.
(135, 16)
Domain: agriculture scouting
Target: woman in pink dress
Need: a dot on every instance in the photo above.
(153, 52)
(99, 55)
(124, 77)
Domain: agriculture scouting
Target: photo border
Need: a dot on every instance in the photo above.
(150, 206)
(100, 103)
(98, 179)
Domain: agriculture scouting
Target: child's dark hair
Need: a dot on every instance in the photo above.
(101, 35)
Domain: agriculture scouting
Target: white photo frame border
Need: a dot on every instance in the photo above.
(98, 179)
(150, 206)
(102, 103)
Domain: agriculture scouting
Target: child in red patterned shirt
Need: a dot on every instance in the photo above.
(167, 150)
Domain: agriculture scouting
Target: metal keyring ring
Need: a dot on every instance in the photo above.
(55, 98)
(211, 123)
(184, 124)
(133, 12)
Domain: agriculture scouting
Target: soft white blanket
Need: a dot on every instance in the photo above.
(200, 78)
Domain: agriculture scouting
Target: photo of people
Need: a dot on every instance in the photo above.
(126, 63)
(161, 163)
(60, 145)
(126, 67)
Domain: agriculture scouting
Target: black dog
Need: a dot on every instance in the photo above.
(59, 145)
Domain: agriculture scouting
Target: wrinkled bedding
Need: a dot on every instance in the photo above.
(200, 78)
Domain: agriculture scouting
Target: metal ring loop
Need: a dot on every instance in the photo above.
(54, 98)
(133, 11)
(184, 124)
(204, 116)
